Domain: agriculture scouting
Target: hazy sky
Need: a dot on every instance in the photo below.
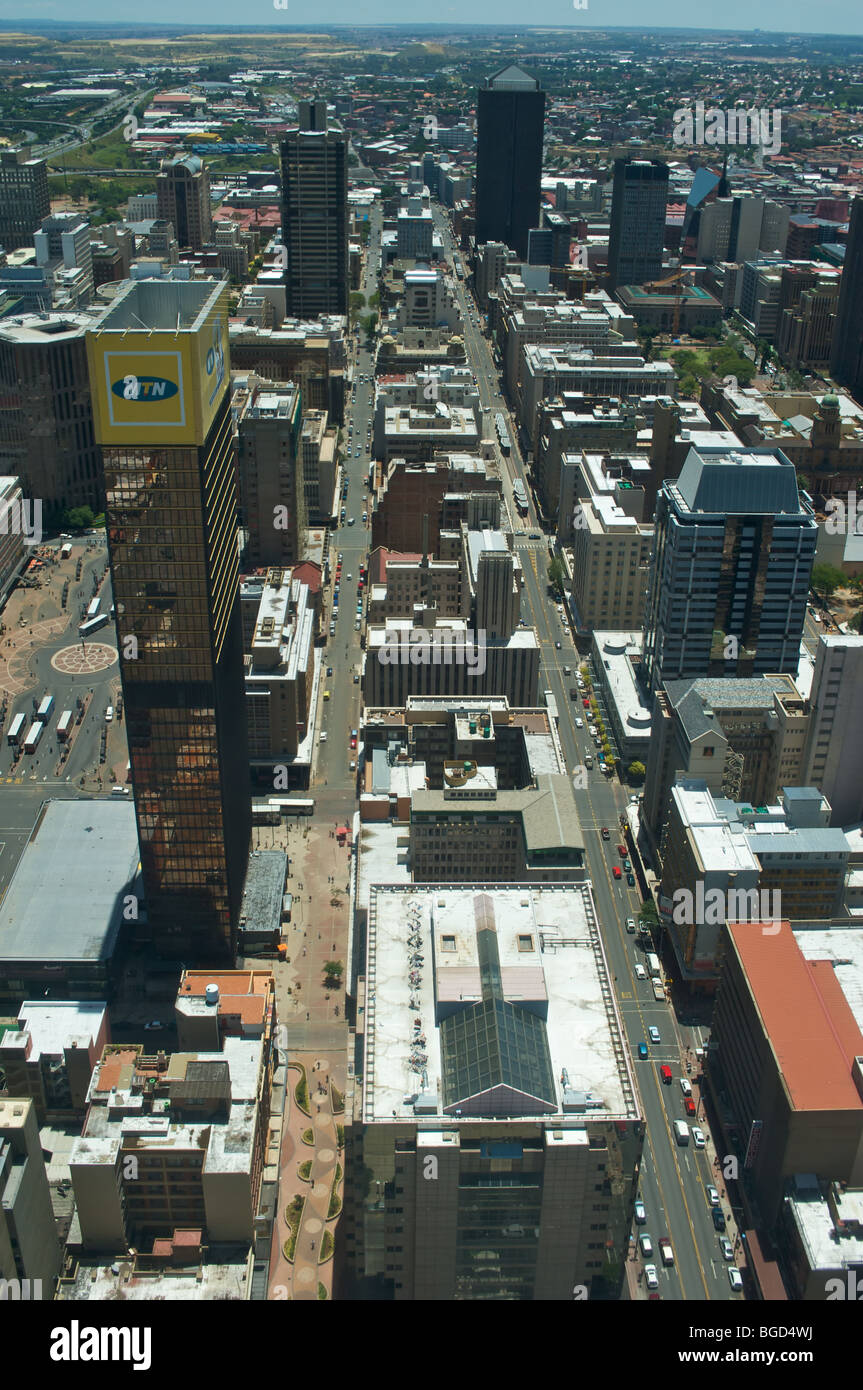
(800, 16)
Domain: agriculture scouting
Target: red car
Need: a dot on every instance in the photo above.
(616, 871)
(353, 743)
(586, 704)
(689, 1106)
(665, 1073)
(621, 849)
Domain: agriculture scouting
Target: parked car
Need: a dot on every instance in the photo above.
(735, 1279)
(640, 972)
(640, 1213)
(685, 1086)
(646, 1245)
(689, 1105)
(718, 1218)
(697, 1137)
(712, 1194)
(630, 925)
(726, 1248)
(630, 879)
(323, 737)
(621, 849)
(616, 871)
(154, 1023)
(651, 1278)
(579, 723)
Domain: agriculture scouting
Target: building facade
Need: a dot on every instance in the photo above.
(510, 125)
(315, 214)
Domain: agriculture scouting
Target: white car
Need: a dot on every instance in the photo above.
(653, 1034)
(685, 1086)
(651, 1277)
(734, 1278)
(698, 1137)
(712, 1194)
(640, 972)
(640, 1213)
(646, 1245)
(323, 737)
(725, 1247)
(579, 723)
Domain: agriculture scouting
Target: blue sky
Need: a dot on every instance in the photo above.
(799, 16)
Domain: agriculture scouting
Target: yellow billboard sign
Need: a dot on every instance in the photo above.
(158, 387)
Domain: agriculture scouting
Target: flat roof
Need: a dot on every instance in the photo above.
(551, 961)
(809, 1022)
(53, 1026)
(65, 901)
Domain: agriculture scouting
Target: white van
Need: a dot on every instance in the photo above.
(681, 1132)
(109, 714)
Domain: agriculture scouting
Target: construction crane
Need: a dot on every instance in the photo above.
(678, 280)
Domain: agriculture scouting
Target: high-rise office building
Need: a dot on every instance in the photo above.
(183, 199)
(637, 230)
(63, 243)
(846, 358)
(733, 551)
(833, 757)
(315, 214)
(46, 424)
(269, 420)
(29, 1249)
(159, 371)
(510, 122)
(24, 197)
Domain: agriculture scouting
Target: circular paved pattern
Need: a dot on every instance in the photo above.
(304, 1275)
(84, 661)
(326, 1155)
(312, 1226)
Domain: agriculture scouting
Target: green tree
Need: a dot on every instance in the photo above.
(78, 518)
(556, 574)
(826, 579)
(636, 771)
(333, 971)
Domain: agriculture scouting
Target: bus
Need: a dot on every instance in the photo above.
(519, 496)
(43, 713)
(66, 550)
(293, 805)
(16, 729)
(64, 724)
(91, 625)
(551, 705)
(34, 733)
(652, 962)
(93, 607)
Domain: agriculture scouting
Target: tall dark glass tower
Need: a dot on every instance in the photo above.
(637, 230)
(160, 382)
(510, 122)
(315, 214)
(846, 357)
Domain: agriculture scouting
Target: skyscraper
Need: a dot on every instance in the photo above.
(846, 358)
(183, 199)
(733, 551)
(159, 373)
(24, 197)
(510, 121)
(637, 231)
(315, 214)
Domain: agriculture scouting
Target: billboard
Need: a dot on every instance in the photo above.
(159, 387)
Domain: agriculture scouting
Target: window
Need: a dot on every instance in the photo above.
(525, 943)
(447, 943)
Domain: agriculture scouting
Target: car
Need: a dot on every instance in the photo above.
(646, 1245)
(353, 743)
(734, 1278)
(685, 1086)
(356, 677)
(567, 671)
(653, 1034)
(154, 1023)
(712, 1194)
(323, 737)
(698, 1137)
(329, 670)
(606, 833)
(718, 1218)
(326, 694)
(627, 866)
(357, 625)
(630, 925)
(351, 520)
(349, 576)
(621, 849)
(616, 871)
(666, 1251)
(339, 557)
(586, 702)
(651, 1277)
(353, 766)
(365, 516)
(557, 646)
(689, 1106)
(119, 791)
(640, 1212)
(665, 1073)
(633, 801)
(642, 1052)
(630, 880)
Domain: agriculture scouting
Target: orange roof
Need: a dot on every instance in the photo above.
(806, 1016)
(230, 982)
(110, 1070)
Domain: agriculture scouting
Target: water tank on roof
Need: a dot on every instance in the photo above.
(212, 994)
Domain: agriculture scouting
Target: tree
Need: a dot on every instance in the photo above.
(369, 322)
(635, 772)
(826, 579)
(79, 518)
(333, 971)
(556, 574)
